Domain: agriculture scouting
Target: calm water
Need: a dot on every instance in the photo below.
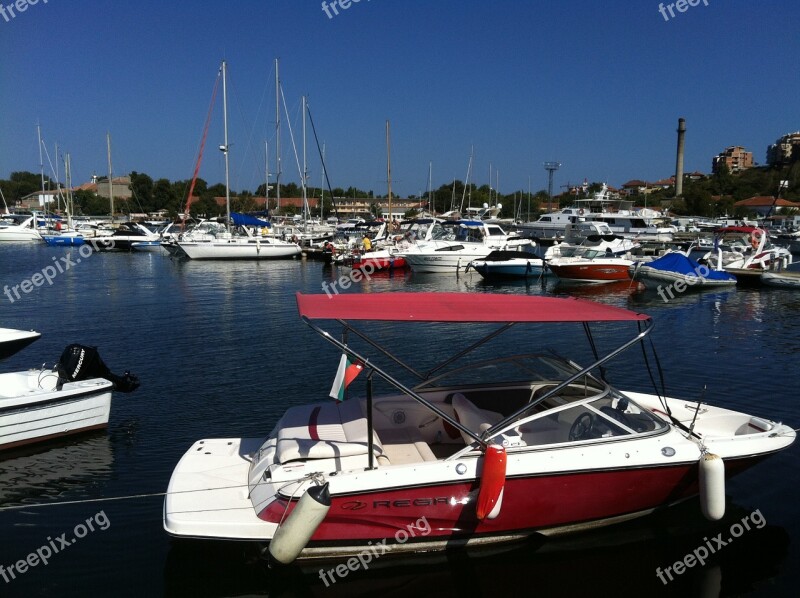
(221, 352)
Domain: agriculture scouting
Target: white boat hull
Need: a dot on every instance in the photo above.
(209, 497)
(785, 280)
(249, 249)
(442, 262)
(19, 235)
(33, 410)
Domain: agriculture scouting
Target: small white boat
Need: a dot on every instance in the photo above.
(146, 246)
(592, 235)
(232, 248)
(581, 264)
(509, 265)
(784, 279)
(749, 249)
(458, 244)
(13, 341)
(19, 228)
(74, 396)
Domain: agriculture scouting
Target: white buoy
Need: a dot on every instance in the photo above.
(295, 532)
(712, 486)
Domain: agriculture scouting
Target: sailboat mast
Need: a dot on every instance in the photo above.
(277, 139)
(490, 184)
(389, 168)
(322, 187)
(466, 184)
(430, 188)
(110, 179)
(305, 168)
(66, 184)
(58, 183)
(41, 165)
(266, 178)
(225, 147)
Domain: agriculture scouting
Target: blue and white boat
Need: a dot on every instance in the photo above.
(64, 239)
(675, 267)
(504, 264)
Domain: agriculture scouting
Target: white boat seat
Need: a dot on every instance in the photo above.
(406, 445)
(324, 431)
(470, 416)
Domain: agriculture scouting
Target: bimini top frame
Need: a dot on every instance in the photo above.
(460, 307)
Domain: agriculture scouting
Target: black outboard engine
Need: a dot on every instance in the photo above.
(79, 362)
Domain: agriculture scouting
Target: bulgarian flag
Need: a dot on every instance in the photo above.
(346, 373)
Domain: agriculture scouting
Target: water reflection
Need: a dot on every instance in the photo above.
(47, 471)
(623, 558)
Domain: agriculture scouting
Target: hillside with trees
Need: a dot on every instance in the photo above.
(711, 196)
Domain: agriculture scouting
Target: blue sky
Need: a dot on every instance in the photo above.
(598, 86)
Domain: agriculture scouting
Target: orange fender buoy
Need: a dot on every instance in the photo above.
(493, 478)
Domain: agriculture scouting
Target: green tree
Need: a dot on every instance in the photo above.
(698, 201)
(87, 203)
(142, 188)
(165, 197)
(206, 207)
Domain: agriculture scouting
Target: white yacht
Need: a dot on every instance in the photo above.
(453, 245)
(19, 227)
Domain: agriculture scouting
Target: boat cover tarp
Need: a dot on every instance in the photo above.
(677, 262)
(247, 220)
(458, 307)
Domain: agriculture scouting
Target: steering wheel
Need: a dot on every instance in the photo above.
(582, 426)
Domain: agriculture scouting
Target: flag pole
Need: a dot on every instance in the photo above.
(371, 438)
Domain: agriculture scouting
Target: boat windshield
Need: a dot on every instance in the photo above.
(443, 233)
(581, 252)
(529, 413)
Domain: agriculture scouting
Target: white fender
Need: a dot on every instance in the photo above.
(712, 486)
(295, 532)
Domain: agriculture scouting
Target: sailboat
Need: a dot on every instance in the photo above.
(385, 258)
(70, 236)
(226, 245)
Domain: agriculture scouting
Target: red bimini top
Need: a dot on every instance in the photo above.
(458, 307)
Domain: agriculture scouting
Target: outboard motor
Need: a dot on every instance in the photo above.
(79, 362)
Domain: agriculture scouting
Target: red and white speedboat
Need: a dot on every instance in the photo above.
(583, 264)
(492, 451)
(378, 260)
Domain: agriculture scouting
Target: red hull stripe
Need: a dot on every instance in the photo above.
(529, 503)
(312, 424)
